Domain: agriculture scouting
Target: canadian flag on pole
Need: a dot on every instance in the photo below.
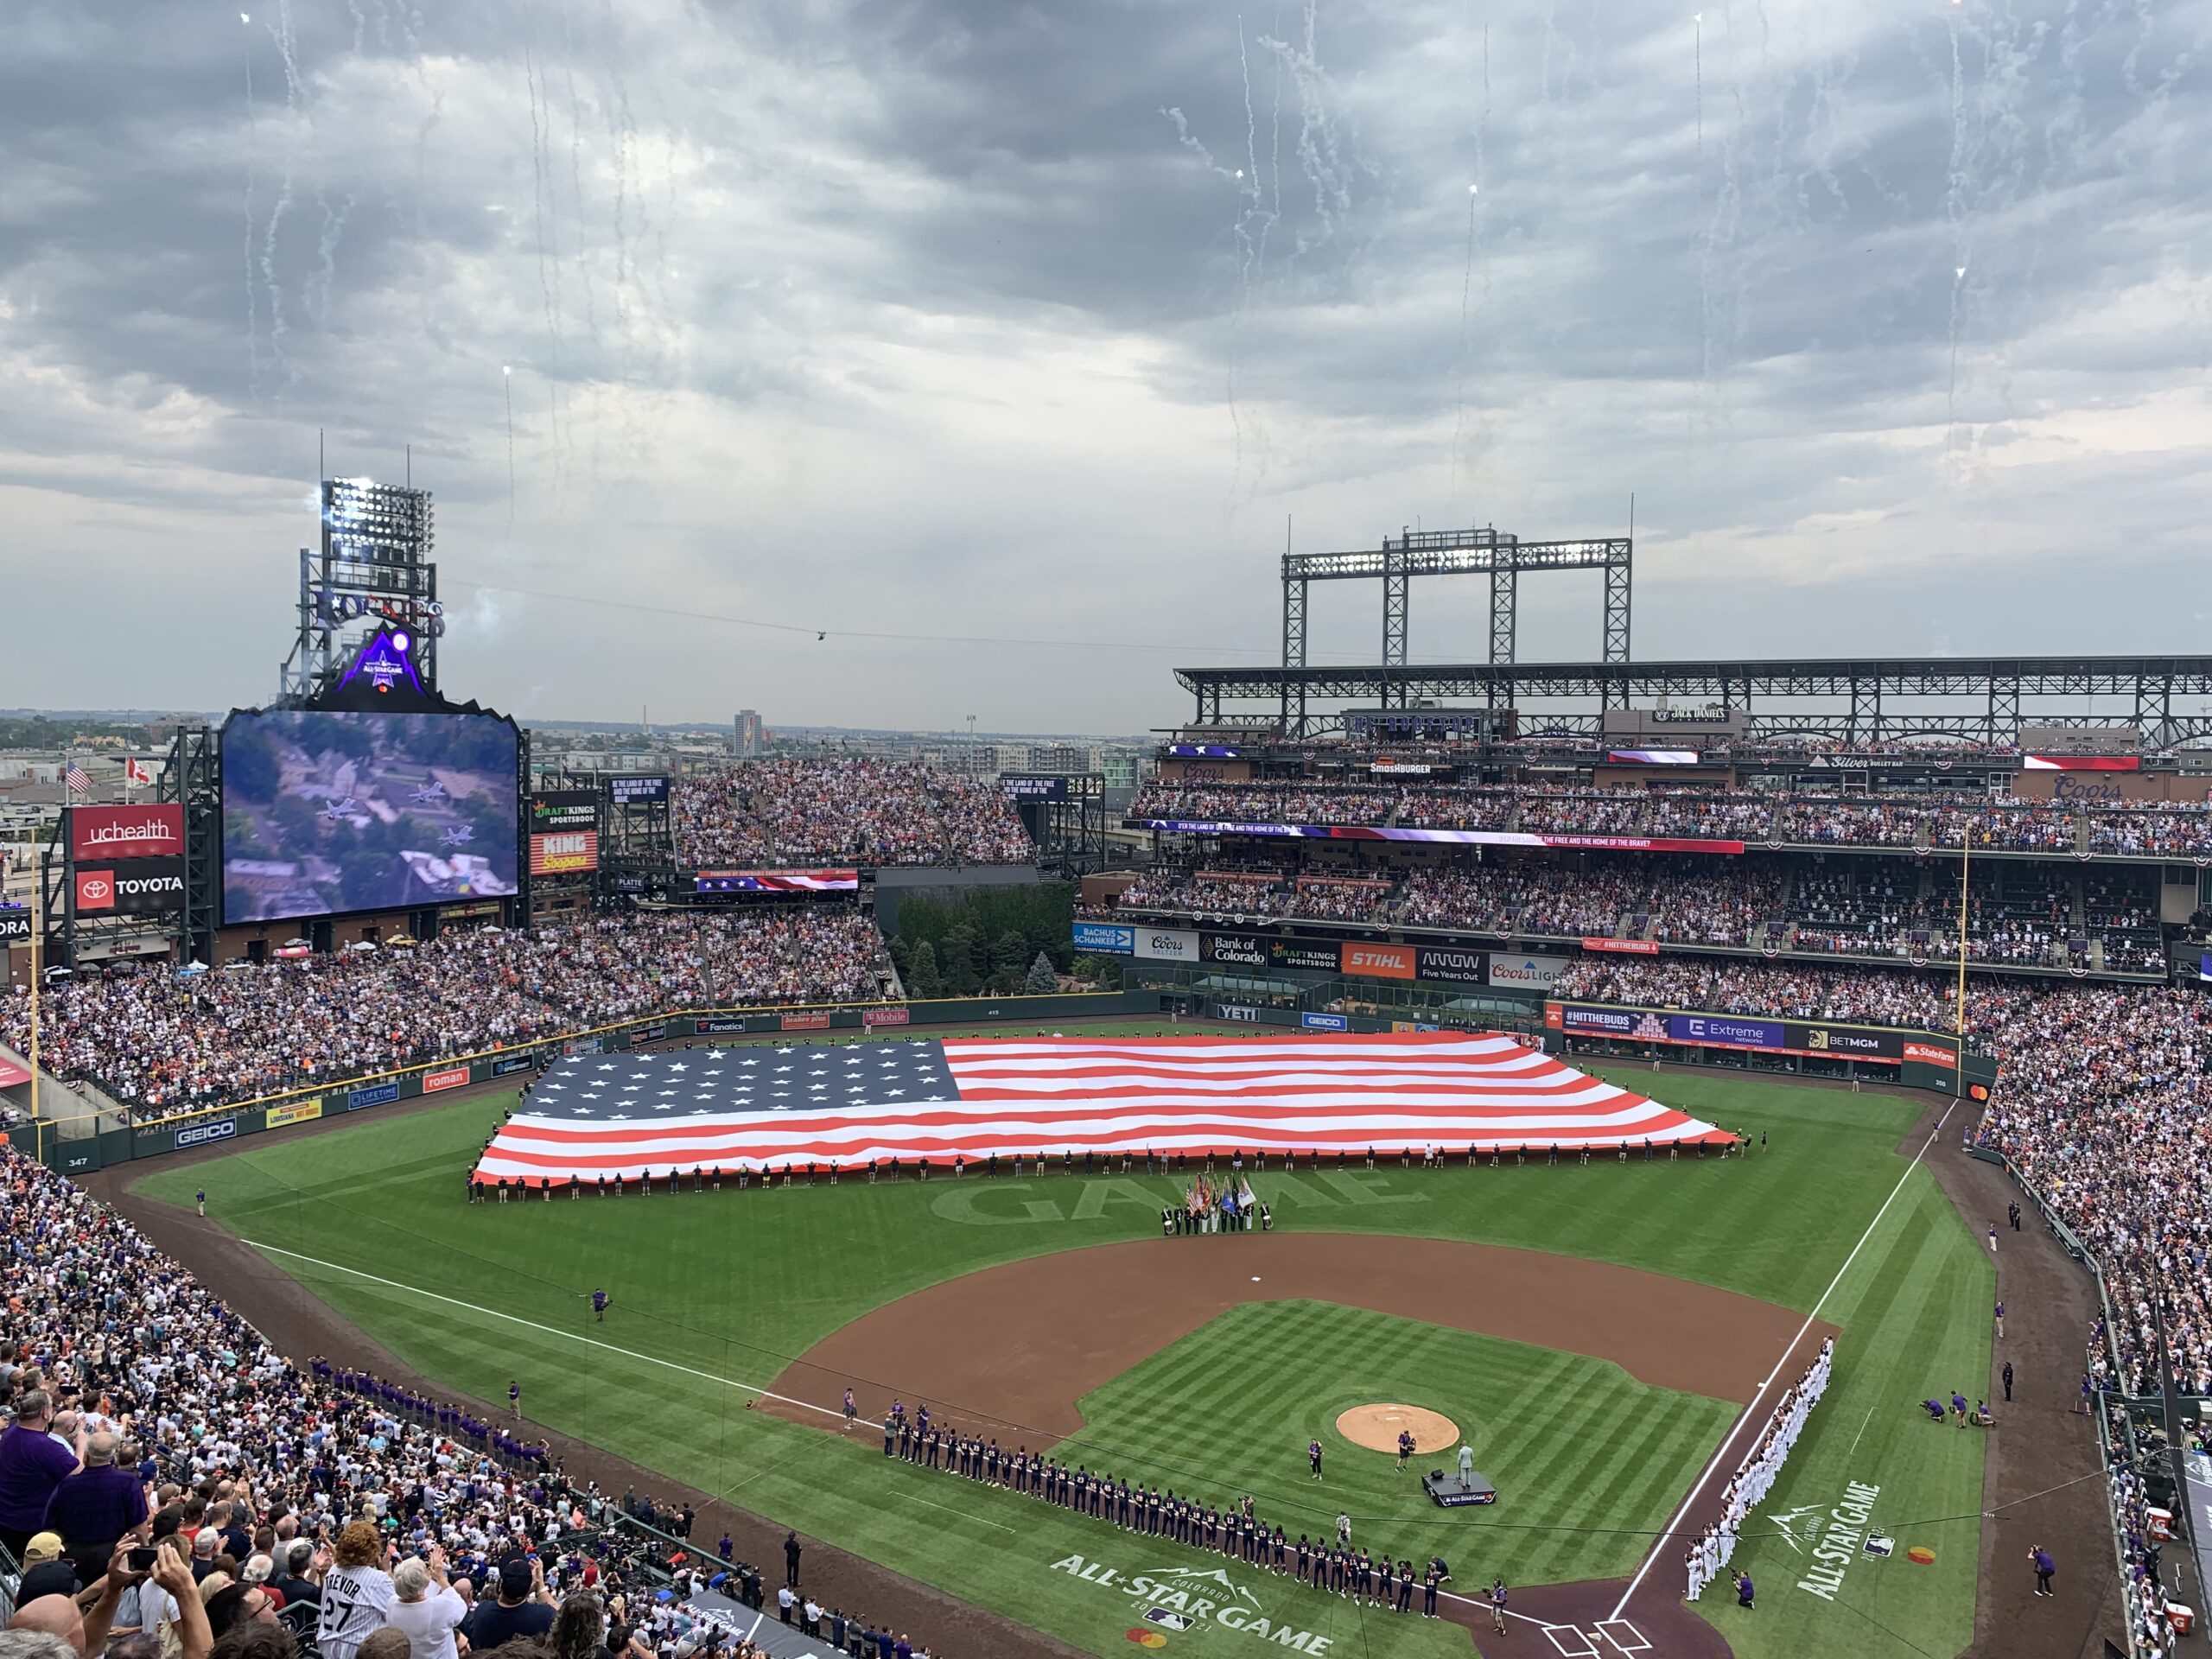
(138, 774)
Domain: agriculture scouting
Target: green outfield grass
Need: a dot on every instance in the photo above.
(713, 1292)
(1602, 1458)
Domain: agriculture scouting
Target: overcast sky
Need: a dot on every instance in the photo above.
(1031, 324)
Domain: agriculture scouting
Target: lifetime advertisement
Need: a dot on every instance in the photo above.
(132, 889)
(103, 834)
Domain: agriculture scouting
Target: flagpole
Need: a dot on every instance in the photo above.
(38, 928)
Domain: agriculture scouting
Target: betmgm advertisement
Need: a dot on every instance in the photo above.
(327, 812)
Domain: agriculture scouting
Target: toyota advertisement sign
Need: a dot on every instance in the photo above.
(129, 889)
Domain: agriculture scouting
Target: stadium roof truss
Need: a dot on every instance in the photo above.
(1983, 699)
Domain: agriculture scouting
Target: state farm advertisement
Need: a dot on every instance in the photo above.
(132, 889)
(101, 835)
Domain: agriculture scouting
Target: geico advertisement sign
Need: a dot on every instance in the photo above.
(147, 885)
(200, 1134)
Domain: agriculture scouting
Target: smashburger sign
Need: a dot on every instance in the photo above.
(102, 835)
(130, 888)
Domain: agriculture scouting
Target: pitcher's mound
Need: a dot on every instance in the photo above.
(1377, 1428)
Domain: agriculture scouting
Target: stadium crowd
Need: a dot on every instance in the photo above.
(864, 810)
(160, 1044)
(2018, 914)
(2101, 1102)
(2007, 825)
(311, 1500)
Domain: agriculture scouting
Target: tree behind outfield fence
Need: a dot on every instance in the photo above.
(1042, 981)
(989, 923)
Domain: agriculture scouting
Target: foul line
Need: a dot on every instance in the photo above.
(1750, 1411)
(551, 1330)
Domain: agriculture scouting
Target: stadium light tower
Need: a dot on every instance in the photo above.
(372, 571)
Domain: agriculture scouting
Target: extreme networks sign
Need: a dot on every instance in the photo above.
(1879, 1043)
(1191, 1596)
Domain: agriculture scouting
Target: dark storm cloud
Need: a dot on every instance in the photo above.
(930, 315)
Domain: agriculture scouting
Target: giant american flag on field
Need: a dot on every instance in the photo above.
(628, 1115)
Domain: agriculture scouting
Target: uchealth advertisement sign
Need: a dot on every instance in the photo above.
(438, 1082)
(1525, 972)
(1448, 965)
(1378, 960)
(1166, 944)
(132, 888)
(104, 834)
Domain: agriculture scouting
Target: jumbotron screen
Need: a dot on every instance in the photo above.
(327, 812)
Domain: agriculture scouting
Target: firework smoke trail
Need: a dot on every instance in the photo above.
(1319, 153)
(621, 138)
(507, 379)
(1193, 143)
(1466, 294)
(360, 25)
(1954, 213)
(548, 265)
(252, 303)
(281, 31)
(333, 226)
(576, 169)
(1275, 164)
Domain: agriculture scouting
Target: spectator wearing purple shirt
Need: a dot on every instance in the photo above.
(95, 1506)
(32, 1464)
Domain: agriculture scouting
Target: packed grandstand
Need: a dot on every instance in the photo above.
(1820, 907)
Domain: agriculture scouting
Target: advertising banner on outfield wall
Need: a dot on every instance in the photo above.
(511, 1064)
(1378, 960)
(376, 1094)
(1449, 965)
(720, 1026)
(452, 1076)
(884, 1016)
(1526, 973)
(1761, 1036)
(1105, 938)
(297, 1111)
(1166, 944)
(814, 1020)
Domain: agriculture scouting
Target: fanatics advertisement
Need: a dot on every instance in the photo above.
(1881, 1044)
(104, 834)
(143, 885)
(326, 812)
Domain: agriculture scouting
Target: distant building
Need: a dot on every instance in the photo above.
(752, 733)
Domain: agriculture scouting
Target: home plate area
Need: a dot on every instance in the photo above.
(1601, 1641)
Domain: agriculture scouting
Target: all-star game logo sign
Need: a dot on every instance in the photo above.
(1181, 1598)
(1832, 1538)
(386, 662)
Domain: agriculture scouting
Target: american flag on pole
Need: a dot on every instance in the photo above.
(78, 781)
(628, 1115)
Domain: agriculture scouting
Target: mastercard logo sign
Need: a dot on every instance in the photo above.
(1921, 1554)
(1146, 1638)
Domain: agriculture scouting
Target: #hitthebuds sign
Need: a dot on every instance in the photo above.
(1190, 1596)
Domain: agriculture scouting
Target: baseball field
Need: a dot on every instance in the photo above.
(1594, 1333)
